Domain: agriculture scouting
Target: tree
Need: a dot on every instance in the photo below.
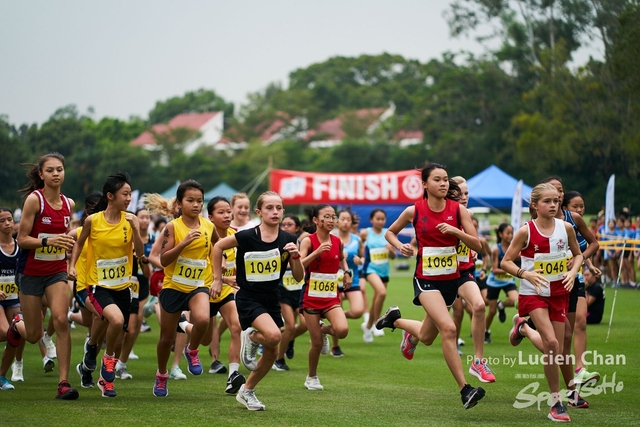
(199, 101)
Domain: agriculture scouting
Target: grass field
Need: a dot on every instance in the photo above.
(372, 386)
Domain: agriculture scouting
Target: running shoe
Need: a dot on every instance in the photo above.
(235, 381)
(108, 370)
(388, 319)
(144, 327)
(86, 379)
(576, 401)
(583, 377)
(482, 371)
(558, 413)
(177, 374)
(13, 336)
(377, 332)
(49, 345)
(193, 361)
(217, 368)
(460, 353)
(471, 396)
(313, 383)
(183, 318)
(337, 352)
(16, 371)
(289, 353)
(461, 342)
(248, 398)
(160, 386)
(502, 314)
(121, 372)
(248, 350)
(280, 365)
(90, 355)
(47, 364)
(148, 309)
(106, 387)
(487, 337)
(66, 392)
(367, 334)
(5, 384)
(133, 356)
(406, 346)
(515, 337)
(326, 346)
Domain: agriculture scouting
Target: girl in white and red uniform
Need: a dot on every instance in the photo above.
(440, 226)
(545, 244)
(42, 267)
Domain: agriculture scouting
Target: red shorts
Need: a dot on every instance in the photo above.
(155, 282)
(315, 305)
(557, 305)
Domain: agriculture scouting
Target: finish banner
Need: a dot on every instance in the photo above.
(310, 188)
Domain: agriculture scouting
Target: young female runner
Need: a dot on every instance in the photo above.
(440, 225)
(241, 206)
(112, 234)
(42, 267)
(263, 254)
(376, 269)
(544, 245)
(323, 255)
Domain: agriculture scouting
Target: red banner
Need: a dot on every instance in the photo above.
(310, 188)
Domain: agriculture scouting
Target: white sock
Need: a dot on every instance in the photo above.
(183, 325)
(366, 317)
(120, 365)
(233, 367)
(555, 397)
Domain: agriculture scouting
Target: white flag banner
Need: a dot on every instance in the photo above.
(609, 210)
(516, 207)
(133, 206)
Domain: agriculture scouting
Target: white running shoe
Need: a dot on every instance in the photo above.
(248, 350)
(249, 399)
(48, 364)
(121, 372)
(133, 356)
(149, 307)
(326, 346)
(16, 371)
(367, 335)
(377, 332)
(48, 343)
(313, 383)
(176, 373)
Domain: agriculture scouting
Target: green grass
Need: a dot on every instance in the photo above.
(372, 386)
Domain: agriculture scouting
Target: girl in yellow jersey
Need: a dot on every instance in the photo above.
(112, 234)
(186, 258)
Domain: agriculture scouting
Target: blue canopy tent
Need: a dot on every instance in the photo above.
(220, 190)
(171, 191)
(494, 188)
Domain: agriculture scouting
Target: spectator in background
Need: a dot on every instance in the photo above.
(595, 298)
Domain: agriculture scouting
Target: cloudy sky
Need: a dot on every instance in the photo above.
(122, 56)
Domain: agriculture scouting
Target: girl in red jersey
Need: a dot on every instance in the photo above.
(322, 256)
(440, 226)
(543, 245)
(42, 267)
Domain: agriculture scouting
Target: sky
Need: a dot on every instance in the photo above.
(120, 57)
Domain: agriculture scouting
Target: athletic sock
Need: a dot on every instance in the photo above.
(183, 325)
(233, 367)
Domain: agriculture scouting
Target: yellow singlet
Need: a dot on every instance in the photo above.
(192, 269)
(230, 260)
(110, 253)
(81, 265)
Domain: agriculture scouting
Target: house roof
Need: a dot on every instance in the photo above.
(192, 121)
(333, 128)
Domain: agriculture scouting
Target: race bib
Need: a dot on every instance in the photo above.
(231, 269)
(379, 256)
(9, 287)
(262, 266)
(323, 285)
(49, 253)
(479, 264)
(290, 283)
(439, 261)
(553, 266)
(134, 284)
(463, 253)
(190, 272)
(503, 277)
(113, 272)
(340, 279)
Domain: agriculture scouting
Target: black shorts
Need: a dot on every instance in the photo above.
(10, 303)
(385, 279)
(482, 283)
(626, 254)
(448, 289)
(173, 301)
(468, 275)
(291, 298)
(494, 293)
(35, 285)
(250, 305)
(578, 291)
(214, 307)
(80, 297)
(143, 293)
(102, 297)
(135, 305)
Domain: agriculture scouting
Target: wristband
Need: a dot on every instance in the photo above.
(45, 242)
(295, 257)
(349, 272)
